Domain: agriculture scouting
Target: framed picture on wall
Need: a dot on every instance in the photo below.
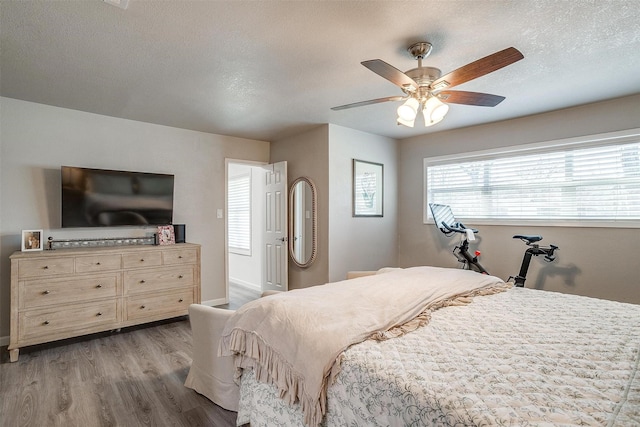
(166, 235)
(31, 240)
(368, 187)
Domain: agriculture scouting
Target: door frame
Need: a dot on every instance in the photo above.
(227, 161)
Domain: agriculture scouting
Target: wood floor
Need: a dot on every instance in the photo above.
(129, 378)
(239, 295)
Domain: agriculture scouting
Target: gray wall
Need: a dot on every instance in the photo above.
(597, 262)
(307, 155)
(360, 243)
(37, 139)
(344, 243)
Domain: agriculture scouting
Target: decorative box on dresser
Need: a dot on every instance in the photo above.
(64, 293)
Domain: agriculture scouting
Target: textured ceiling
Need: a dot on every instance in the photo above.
(270, 69)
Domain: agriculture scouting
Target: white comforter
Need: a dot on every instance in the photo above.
(295, 339)
(519, 358)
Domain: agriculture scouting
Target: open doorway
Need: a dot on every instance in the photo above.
(256, 232)
(245, 214)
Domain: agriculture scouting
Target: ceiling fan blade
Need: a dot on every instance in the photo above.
(470, 98)
(371, 101)
(391, 73)
(478, 68)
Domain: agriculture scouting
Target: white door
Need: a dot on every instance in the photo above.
(275, 257)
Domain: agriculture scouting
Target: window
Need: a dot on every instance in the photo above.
(239, 211)
(587, 181)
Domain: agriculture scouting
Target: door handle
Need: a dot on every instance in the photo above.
(282, 239)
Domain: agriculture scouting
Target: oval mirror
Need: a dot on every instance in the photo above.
(302, 222)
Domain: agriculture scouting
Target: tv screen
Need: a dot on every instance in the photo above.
(103, 198)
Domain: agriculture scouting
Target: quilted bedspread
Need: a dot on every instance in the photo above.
(519, 358)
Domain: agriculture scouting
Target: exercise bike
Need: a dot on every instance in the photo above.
(446, 222)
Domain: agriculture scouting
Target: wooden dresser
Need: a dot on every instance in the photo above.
(65, 293)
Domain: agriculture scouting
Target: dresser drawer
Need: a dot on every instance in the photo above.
(43, 267)
(146, 280)
(179, 256)
(55, 323)
(165, 305)
(46, 292)
(95, 263)
(59, 294)
(142, 259)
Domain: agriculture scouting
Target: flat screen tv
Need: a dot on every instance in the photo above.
(103, 198)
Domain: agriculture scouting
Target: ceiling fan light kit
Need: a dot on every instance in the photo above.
(423, 86)
(434, 111)
(409, 109)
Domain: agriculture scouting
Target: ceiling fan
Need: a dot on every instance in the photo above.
(425, 89)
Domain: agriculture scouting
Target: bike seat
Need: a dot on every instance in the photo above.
(529, 239)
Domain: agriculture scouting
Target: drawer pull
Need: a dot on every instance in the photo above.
(99, 313)
(97, 263)
(141, 259)
(180, 300)
(46, 267)
(142, 281)
(47, 292)
(46, 322)
(98, 286)
(180, 276)
(179, 256)
(142, 307)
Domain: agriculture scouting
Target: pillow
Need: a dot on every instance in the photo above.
(387, 269)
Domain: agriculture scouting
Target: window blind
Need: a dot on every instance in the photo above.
(239, 214)
(598, 183)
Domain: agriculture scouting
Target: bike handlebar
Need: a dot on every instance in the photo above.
(549, 253)
(458, 227)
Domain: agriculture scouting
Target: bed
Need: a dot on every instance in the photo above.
(515, 356)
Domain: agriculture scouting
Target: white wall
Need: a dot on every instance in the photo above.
(37, 139)
(597, 262)
(360, 243)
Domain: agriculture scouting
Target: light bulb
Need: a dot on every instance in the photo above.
(408, 110)
(434, 111)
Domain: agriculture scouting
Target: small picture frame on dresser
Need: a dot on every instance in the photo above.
(31, 240)
(166, 235)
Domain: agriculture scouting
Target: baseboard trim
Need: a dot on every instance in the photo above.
(245, 284)
(4, 341)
